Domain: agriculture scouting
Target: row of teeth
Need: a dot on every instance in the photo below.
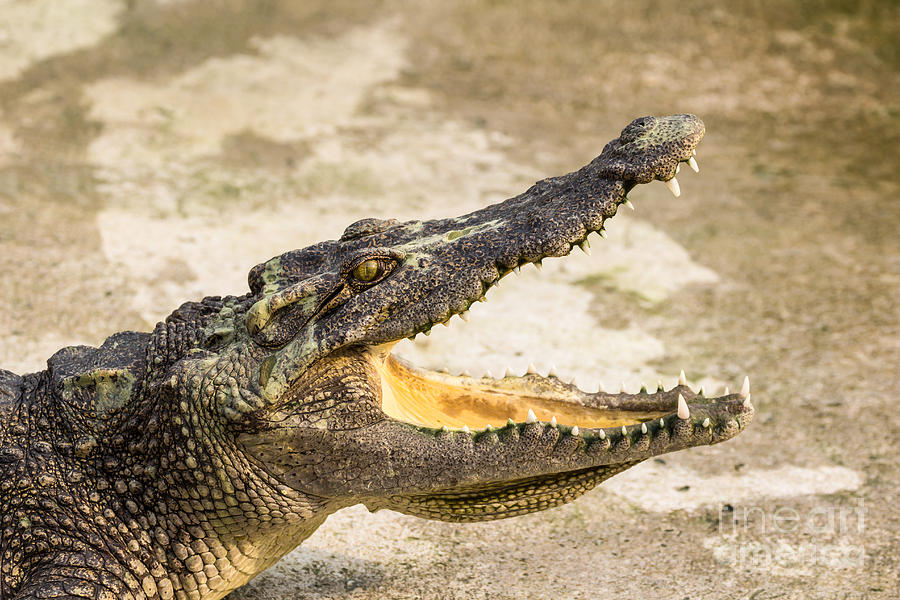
(584, 244)
(683, 412)
(532, 370)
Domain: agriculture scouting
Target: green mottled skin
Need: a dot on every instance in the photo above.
(182, 462)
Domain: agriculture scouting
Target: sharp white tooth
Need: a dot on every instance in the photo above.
(601, 434)
(576, 431)
(700, 391)
(624, 431)
(427, 332)
(488, 375)
(538, 265)
(602, 233)
(516, 270)
(683, 411)
(682, 380)
(553, 421)
(510, 422)
(497, 283)
(659, 386)
(745, 389)
(629, 204)
(672, 184)
(692, 163)
(585, 247)
(726, 391)
(694, 152)
(552, 372)
(662, 422)
(465, 373)
(445, 429)
(509, 373)
(443, 370)
(465, 429)
(706, 422)
(643, 428)
(571, 381)
(678, 168)
(600, 388)
(532, 370)
(746, 402)
(531, 418)
(464, 315)
(488, 428)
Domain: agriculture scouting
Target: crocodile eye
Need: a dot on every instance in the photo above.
(372, 270)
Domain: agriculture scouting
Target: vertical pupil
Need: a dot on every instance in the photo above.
(367, 271)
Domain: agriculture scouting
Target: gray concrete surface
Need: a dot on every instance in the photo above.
(152, 152)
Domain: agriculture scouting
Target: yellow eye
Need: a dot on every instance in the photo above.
(368, 270)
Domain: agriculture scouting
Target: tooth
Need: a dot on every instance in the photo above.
(488, 375)
(706, 422)
(552, 372)
(464, 316)
(672, 184)
(678, 168)
(576, 431)
(643, 428)
(694, 152)
(700, 391)
(585, 247)
(532, 370)
(510, 423)
(662, 422)
(531, 418)
(746, 402)
(482, 299)
(537, 265)
(600, 388)
(601, 435)
(622, 388)
(445, 429)
(682, 380)
(629, 204)
(443, 370)
(726, 391)
(509, 373)
(643, 388)
(553, 421)
(571, 380)
(602, 233)
(465, 373)
(427, 332)
(516, 270)
(624, 431)
(745, 389)
(659, 386)
(692, 163)
(488, 428)
(683, 411)
(445, 323)
(465, 429)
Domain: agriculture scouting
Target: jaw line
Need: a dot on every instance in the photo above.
(435, 401)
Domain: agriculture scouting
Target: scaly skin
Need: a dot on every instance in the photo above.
(181, 463)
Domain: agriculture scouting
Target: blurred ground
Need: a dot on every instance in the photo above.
(151, 153)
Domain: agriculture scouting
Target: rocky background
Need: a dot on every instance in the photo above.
(152, 152)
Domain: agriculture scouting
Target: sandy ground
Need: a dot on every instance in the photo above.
(151, 153)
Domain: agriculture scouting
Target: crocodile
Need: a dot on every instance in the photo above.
(182, 462)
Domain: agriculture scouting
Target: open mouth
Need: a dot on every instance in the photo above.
(438, 401)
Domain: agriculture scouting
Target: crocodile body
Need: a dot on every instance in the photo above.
(182, 462)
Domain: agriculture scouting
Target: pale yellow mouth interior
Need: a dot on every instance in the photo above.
(431, 399)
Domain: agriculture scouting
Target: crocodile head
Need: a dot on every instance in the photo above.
(326, 408)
